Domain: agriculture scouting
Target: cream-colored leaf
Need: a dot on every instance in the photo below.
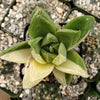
(38, 57)
(60, 76)
(18, 56)
(61, 57)
(27, 83)
(36, 72)
(72, 68)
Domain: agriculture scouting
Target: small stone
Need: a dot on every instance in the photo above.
(1, 32)
(6, 19)
(2, 77)
(27, 91)
(15, 7)
(21, 95)
(3, 85)
(10, 12)
(53, 16)
(59, 10)
(15, 40)
(10, 40)
(20, 15)
(3, 25)
(19, 1)
(92, 65)
(0, 17)
(17, 83)
(15, 91)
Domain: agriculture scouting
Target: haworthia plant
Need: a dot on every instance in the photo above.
(50, 49)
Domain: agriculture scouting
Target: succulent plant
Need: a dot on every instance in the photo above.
(90, 45)
(50, 49)
(47, 91)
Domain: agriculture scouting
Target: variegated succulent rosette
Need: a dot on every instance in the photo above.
(50, 49)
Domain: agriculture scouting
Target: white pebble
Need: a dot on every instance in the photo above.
(2, 85)
(3, 25)
(10, 12)
(59, 10)
(21, 95)
(2, 77)
(53, 16)
(27, 91)
(15, 7)
(17, 83)
(10, 40)
(6, 19)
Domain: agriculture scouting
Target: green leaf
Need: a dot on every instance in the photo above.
(48, 56)
(34, 11)
(42, 11)
(57, 26)
(60, 76)
(48, 39)
(73, 56)
(68, 78)
(61, 57)
(93, 92)
(19, 46)
(18, 53)
(41, 24)
(83, 23)
(68, 37)
(55, 47)
(35, 46)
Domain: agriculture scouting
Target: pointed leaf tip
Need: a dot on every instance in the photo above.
(35, 73)
(41, 24)
(83, 23)
(18, 53)
(68, 37)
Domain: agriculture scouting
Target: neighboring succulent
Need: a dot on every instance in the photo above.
(90, 45)
(93, 87)
(47, 91)
(50, 49)
(6, 67)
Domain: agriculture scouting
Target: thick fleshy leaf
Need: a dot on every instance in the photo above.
(48, 39)
(54, 47)
(18, 56)
(68, 78)
(61, 57)
(83, 23)
(42, 11)
(18, 53)
(19, 46)
(75, 57)
(68, 37)
(57, 26)
(40, 24)
(73, 65)
(35, 46)
(60, 76)
(72, 68)
(35, 73)
(48, 56)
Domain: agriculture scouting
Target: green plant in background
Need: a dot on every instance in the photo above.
(47, 91)
(93, 87)
(50, 49)
(90, 45)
